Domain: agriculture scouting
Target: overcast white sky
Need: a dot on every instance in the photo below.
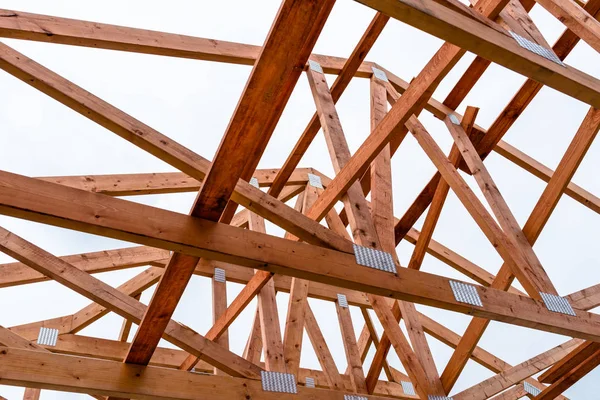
(192, 101)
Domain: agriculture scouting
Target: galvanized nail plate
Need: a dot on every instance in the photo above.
(219, 275)
(465, 293)
(342, 300)
(529, 388)
(315, 180)
(557, 304)
(379, 74)
(315, 66)
(47, 336)
(408, 388)
(278, 382)
(374, 258)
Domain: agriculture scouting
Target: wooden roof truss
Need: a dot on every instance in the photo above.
(313, 260)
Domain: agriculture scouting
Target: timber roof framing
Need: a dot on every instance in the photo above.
(349, 258)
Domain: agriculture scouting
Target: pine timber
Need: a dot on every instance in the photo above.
(314, 259)
(327, 266)
(532, 229)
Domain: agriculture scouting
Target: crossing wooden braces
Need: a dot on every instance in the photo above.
(312, 260)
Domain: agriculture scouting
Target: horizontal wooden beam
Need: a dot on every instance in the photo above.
(51, 29)
(17, 273)
(53, 204)
(105, 349)
(160, 182)
(101, 185)
(111, 378)
(73, 344)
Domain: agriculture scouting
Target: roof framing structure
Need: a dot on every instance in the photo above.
(345, 255)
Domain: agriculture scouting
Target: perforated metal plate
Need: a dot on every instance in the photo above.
(278, 382)
(315, 66)
(310, 382)
(536, 48)
(529, 388)
(557, 304)
(219, 275)
(354, 397)
(47, 337)
(430, 397)
(465, 293)
(408, 388)
(315, 180)
(254, 182)
(379, 74)
(342, 300)
(454, 119)
(374, 258)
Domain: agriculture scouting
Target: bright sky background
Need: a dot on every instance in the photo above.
(192, 102)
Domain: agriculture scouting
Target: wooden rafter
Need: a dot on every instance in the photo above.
(314, 259)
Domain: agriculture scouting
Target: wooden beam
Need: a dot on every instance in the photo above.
(51, 29)
(102, 377)
(219, 302)
(125, 306)
(92, 312)
(79, 345)
(16, 273)
(382, 203)
(576, 18)
(227, 316)
(414, 98)
(569, 379)
(40, 201)
(586, 299)
(252, 288)
(491, 44)
(253, 349)
(532, 229)
(10, 339)
(439, 198)
(322, 350)
(127, 324)
(562, 48)
(407, 356)
(506, 241)
(365, 233)
(541, 171)
(159, 182)
(507, 221)
(294, 324)
(268, 314)
(369, 335)
(357, 375)
(567, 363)
(492, 136)
(514, 393)
(267, 91)
(516, 374)
(159, 145)
(513, 17)
(104, 349)
(351, 66)
(32, 394)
